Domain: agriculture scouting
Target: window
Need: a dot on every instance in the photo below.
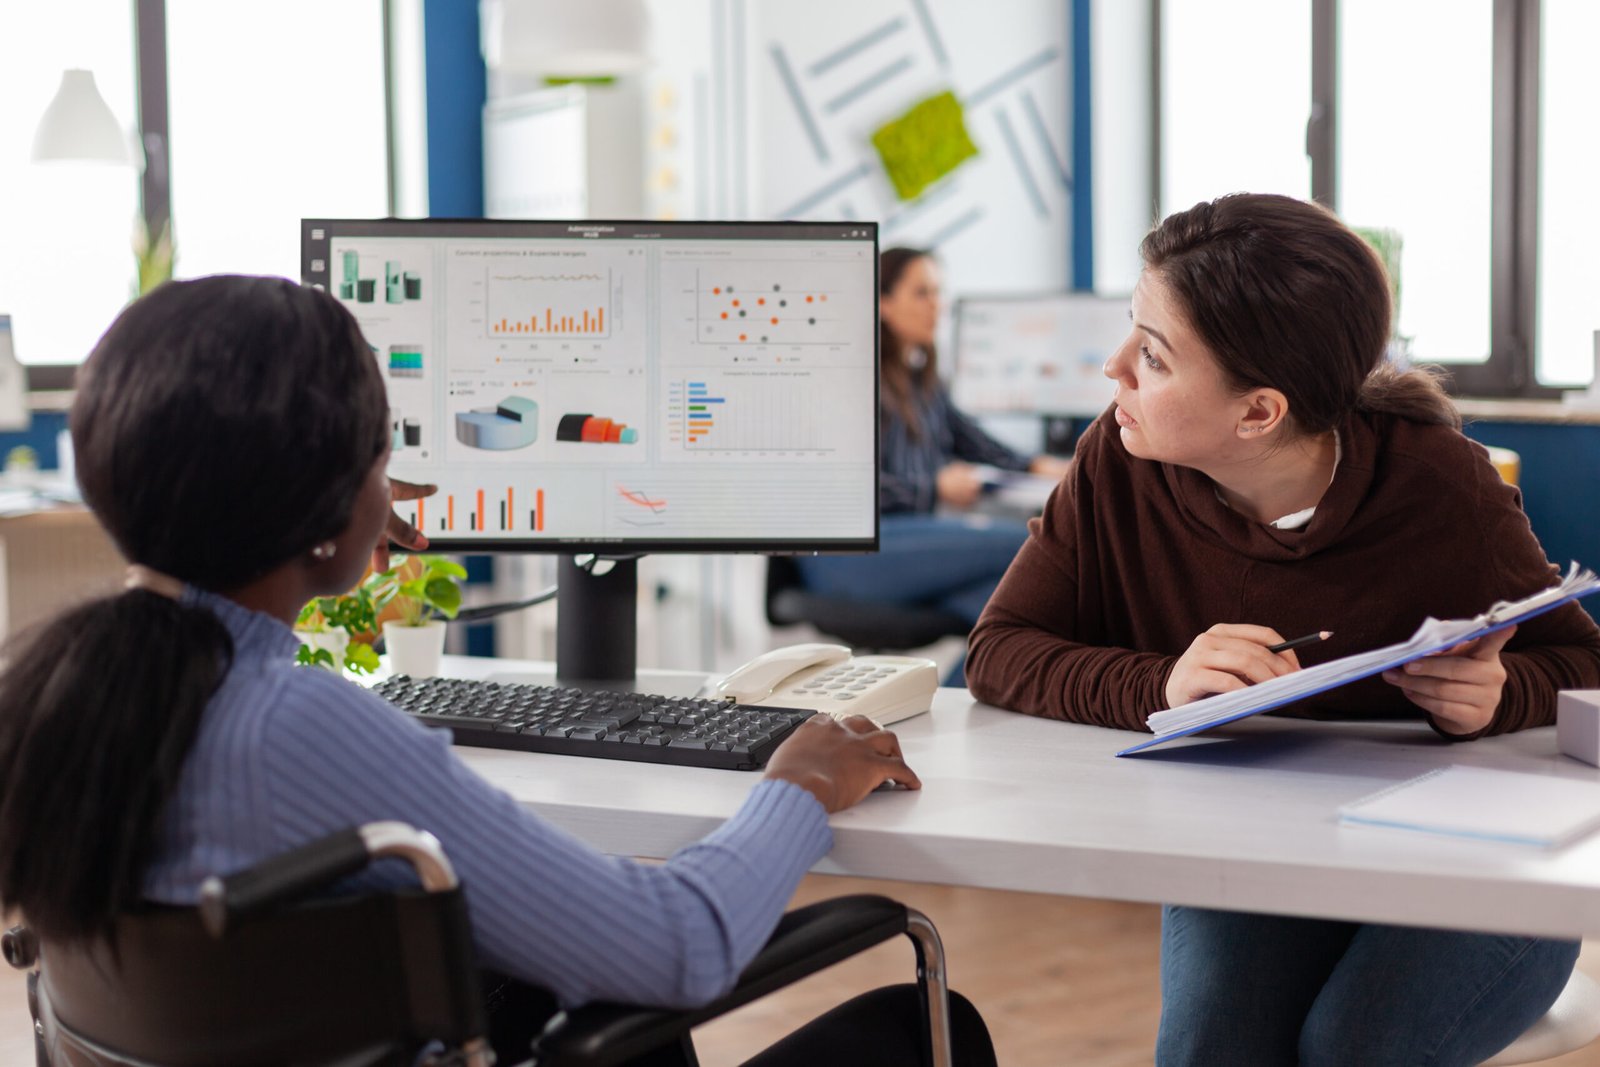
(67, 267)
(1464, 127)
(1235, 92)
(1415, 157)
(277, 114)
(1569, 158)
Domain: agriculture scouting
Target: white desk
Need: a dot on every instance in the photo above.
(1013, 802)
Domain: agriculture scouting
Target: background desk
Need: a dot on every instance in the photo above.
(1241, 818)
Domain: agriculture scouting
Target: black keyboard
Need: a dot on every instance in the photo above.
(578, 722)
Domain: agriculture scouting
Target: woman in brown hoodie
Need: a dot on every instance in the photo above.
(1264, 473)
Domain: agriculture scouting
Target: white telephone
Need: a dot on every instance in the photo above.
(885, 689)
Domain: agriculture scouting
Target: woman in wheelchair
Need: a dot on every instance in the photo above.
(231, 436)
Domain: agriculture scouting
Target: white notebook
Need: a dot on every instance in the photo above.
(1490, 805)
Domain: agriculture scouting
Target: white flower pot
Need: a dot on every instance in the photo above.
(335, 641)
(414, 650)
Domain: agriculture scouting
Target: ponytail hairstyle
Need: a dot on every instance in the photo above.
(222, 427)
(1290, 298)
(903, 384)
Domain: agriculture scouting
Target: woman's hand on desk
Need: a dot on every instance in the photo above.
(959, 485)
(1461, 686)
(399, 531)
(1226, 657)
(840, 763)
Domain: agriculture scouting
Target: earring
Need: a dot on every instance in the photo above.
(323, 552)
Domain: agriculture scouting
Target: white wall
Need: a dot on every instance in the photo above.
(767, 109)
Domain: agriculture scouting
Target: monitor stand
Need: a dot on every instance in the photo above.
(597, 635)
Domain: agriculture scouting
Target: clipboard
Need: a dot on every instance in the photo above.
(1434, 635)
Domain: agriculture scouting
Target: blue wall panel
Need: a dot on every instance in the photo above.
(456, 89)
(1560, 484)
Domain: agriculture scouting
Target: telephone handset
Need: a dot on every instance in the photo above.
(827, 678)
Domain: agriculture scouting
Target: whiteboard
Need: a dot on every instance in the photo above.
(1039, 354)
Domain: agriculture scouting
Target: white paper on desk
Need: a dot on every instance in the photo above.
(1488, 805)
(1434, 635)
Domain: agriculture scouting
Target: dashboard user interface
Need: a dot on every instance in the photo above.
(670, 386)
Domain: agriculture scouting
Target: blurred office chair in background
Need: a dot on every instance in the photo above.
(866, 626)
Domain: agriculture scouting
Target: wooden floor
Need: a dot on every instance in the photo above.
(1059, 980)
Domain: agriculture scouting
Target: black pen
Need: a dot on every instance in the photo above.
(1301, 642)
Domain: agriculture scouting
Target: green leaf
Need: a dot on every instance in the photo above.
(360, 658)
(314, 657)
(444, 596)
(447, 567)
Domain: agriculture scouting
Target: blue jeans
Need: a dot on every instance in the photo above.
(1261, 989)
(924, 561)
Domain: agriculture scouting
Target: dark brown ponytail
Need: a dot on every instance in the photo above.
(221, 427)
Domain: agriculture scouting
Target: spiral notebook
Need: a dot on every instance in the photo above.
(1484, 804)
(1434, 635)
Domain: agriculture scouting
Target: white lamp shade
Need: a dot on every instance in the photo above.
(79, 125)
(565, 38)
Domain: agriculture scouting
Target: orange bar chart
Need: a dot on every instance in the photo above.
(589, 322)
(478, 518)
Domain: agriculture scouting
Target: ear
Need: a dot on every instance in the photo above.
(1265, 410)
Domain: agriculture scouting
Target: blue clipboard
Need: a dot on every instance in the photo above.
(1290, 688)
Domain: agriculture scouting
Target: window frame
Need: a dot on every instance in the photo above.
(1510, 370)
(155, 184)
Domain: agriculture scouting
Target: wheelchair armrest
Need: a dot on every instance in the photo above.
(807, 940)
(225, 902)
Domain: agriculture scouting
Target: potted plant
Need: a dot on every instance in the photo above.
(325, 628)
(423, 588)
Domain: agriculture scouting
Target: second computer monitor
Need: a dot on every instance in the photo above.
(622, 387)
(1039, 355)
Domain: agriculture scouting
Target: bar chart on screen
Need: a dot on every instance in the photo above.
(543, 302)
(458, 511)
(758, 412)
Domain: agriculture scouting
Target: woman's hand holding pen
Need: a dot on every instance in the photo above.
(1231, 656)
(1461, 686)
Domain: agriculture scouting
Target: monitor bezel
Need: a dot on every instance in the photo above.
(314, 250)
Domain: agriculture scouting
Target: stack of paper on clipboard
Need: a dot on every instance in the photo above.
(1434, 635)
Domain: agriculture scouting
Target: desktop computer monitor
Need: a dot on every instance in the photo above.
(1036, 355)
(620, 388)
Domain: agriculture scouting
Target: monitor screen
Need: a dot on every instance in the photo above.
(622, 387)
(1036, 354)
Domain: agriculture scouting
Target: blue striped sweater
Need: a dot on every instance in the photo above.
(286, 754)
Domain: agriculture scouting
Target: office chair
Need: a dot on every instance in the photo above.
(864, 625)
(262, 974)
